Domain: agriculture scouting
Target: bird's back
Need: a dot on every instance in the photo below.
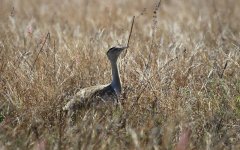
(91, 96)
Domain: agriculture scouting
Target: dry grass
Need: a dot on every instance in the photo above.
(181, 74)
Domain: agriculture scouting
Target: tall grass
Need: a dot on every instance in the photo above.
(181, 80)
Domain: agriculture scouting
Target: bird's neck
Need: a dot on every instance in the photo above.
(116, 83)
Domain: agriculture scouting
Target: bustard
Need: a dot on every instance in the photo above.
(101, 93)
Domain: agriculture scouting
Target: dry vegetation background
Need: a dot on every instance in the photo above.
(181, 74)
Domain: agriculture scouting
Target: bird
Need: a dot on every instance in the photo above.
(99, 94)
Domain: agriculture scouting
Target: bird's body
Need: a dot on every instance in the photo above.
(95, 95)
(92, 96)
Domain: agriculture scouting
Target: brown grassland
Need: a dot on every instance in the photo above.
(180, 75)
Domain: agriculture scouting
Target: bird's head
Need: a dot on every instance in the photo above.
(114, 52)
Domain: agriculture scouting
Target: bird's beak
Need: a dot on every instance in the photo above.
(123, 48)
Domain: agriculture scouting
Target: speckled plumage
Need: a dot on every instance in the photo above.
(92, 96)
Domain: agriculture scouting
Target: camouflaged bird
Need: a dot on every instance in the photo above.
(100, 94)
